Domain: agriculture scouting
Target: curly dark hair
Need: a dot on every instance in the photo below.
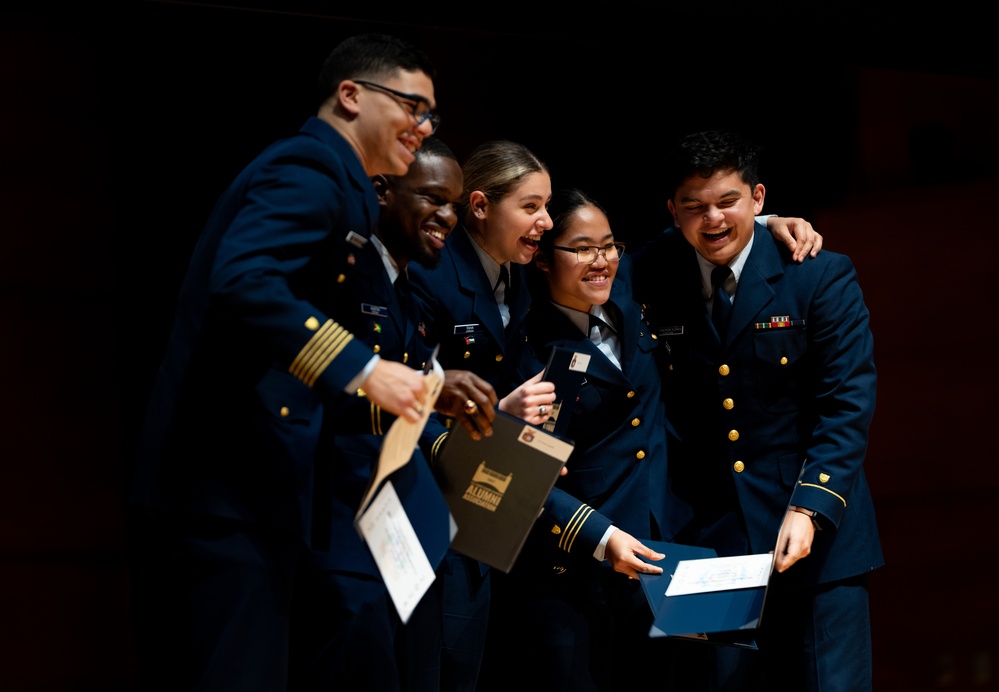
(704, 153)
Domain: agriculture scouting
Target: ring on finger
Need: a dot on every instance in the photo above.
(471, 407)
(542, 409)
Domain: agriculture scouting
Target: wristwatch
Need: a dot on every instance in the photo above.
(809, 513)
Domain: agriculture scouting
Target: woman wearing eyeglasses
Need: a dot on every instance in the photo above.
(571, 610)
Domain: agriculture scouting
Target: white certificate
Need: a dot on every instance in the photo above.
(398, 553)
(720, 574)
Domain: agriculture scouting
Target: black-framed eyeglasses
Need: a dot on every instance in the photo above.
(416, 105)
(587, 254)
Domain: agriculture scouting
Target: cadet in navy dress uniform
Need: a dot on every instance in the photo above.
(223, 488)
(571, 611)
(477, 318)
(345, 624)
(773, 409)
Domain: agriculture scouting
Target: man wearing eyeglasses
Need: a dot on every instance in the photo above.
(223, 489)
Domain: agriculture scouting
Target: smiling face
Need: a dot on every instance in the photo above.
(575, 284)
(418, 209)
(509, 229)
(385, 132)
(716, 214)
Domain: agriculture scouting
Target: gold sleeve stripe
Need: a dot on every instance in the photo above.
(813, 485)
(573, 527)
(435, 449)
(376, 419)
(325, 345)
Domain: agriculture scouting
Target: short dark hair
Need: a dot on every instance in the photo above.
(432, 146)
(704, 153)
(370, 56)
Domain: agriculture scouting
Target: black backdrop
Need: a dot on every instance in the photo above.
(122, 122)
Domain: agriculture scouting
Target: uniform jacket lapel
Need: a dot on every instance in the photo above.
(755, 291)
(375, 283)
(474, 284)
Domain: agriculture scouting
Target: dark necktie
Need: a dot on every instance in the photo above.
(599, 325)
(504, 279)
(722, 309)
(403, 293)
(602, 334)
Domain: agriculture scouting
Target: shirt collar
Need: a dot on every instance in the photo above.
(582, 319)
(735, 265)
(489, 265)
(390, 266)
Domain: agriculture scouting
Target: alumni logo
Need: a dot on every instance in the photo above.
(487, 487)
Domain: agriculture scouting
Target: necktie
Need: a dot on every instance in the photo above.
(504, 281)
(598, 324)
(402, 292)
(722, 309)
(603, 335)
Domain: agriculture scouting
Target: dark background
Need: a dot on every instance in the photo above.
(121, 123)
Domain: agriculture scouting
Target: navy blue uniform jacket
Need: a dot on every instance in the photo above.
(617, 472)
(355, 427)
(462, 315)
(779, 413)
(256, 346)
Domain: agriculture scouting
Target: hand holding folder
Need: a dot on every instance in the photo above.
(497, 486)
(702, 596)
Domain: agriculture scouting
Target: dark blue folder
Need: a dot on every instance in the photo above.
(720, 617)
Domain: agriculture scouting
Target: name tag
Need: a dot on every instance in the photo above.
(671, 331)
(376, 310)
(467, 329)
(356, 239)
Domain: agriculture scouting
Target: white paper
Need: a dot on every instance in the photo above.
(720, 574)
(398, 553)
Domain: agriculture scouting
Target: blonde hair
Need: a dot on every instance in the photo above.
(495, 168)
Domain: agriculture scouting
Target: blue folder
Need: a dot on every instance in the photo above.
(720, 617)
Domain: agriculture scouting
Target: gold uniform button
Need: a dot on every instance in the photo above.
(340, 279)
(312, 324)
(285, 411)
(499, 357)
(823, 478)
(405, 357)
(739, 467)
(423, 365)
(670, 368)
(641, 454)
(556, 530)
(783, 360)
(467, 355)
(655, 338)
(631, 394)
(733, 435)
(727, 404)
(635, 422)
(723, 370)
(377, 348)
